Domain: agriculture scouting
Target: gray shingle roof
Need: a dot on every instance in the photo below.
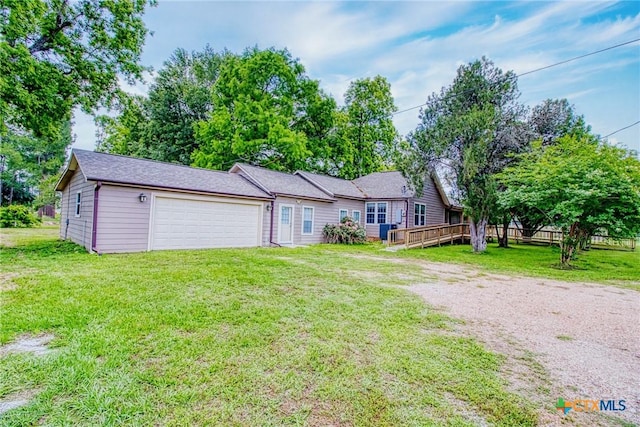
(283, 183)
(384, 185)
(129, 170)
(337, 186)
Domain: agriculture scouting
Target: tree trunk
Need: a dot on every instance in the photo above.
(568, 244)
(478, 232)
(503, 241)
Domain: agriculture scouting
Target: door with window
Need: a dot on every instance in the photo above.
(285, 229)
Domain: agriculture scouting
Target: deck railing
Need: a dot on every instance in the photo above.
(435, 235)
(429, 235)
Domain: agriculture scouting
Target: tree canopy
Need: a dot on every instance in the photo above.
(58, 54)
(29, 166)
(581, 186)
(469, 132)
(365, 138)
(263, 102)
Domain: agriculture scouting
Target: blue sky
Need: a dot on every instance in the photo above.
(418, 46)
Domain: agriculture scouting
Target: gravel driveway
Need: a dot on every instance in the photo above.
(560, 339)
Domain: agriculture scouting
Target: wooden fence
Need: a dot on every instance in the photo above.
(436, 235)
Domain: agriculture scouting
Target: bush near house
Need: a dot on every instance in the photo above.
(17, 216)
(348, 232)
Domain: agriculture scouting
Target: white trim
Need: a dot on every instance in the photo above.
(169, 195)
(353, 211)
(387, 214)
(78, 204)
(313, 214)
(293, 210)
(415, 217)
(340, 214)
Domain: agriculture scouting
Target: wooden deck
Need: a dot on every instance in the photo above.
(436, 235)
(433, 235)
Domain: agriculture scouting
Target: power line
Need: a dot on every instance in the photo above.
(620, 130)
(538, 69)
(578, 57)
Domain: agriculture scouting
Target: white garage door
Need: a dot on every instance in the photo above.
(196, 224)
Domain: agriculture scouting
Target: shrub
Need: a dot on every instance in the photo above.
(17, 216)
(348, 232)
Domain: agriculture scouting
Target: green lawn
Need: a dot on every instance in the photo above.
(621, 268)
(305, 336)
(234, 337)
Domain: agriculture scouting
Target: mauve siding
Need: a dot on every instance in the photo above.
(123, 221)
(373, 230)
(79, 228)
(435, 207)
(323, 213)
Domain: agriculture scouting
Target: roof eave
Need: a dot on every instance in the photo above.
(71, 168)
(191, 190)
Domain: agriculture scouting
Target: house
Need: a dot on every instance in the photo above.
(114, 203)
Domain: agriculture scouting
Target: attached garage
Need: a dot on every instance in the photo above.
(197, 223)
(116, 204)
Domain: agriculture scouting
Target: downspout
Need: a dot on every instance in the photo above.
(94, 228)
(271, 242)
(66, 228)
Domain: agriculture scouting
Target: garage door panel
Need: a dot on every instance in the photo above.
(196, 224)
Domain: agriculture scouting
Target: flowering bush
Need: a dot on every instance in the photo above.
(348, 232)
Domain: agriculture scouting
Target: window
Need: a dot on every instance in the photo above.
(343, 213)
(356, 216)
(377, 213)
(382, 213)
(307, 220)
(419, 214)
(78, 202)
(371, 213)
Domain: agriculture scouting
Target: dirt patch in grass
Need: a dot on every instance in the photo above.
(35, 345)
(16, 400)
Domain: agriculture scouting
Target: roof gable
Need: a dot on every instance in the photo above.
(282, 183)
(134, 171)
(384, 185)
(334, 186)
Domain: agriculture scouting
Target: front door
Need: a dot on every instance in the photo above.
(286, 224)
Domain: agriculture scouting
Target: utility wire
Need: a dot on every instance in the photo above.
(536, 70)
(620, 130)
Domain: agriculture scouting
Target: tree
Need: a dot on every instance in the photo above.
(180, 97)
(365, 139)
(469, 132)
(263, 102)
(581, 185)
(555, 118)
(548, 122)
(56, 55)
(127, 133)
(32, 165)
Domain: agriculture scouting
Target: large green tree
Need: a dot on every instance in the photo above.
(468, 132)
(263, 106)
(126, 133)
(179, 97)
(365, 139)
(548, 122)
(29, 166)
(581, 185)
(59, 54)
